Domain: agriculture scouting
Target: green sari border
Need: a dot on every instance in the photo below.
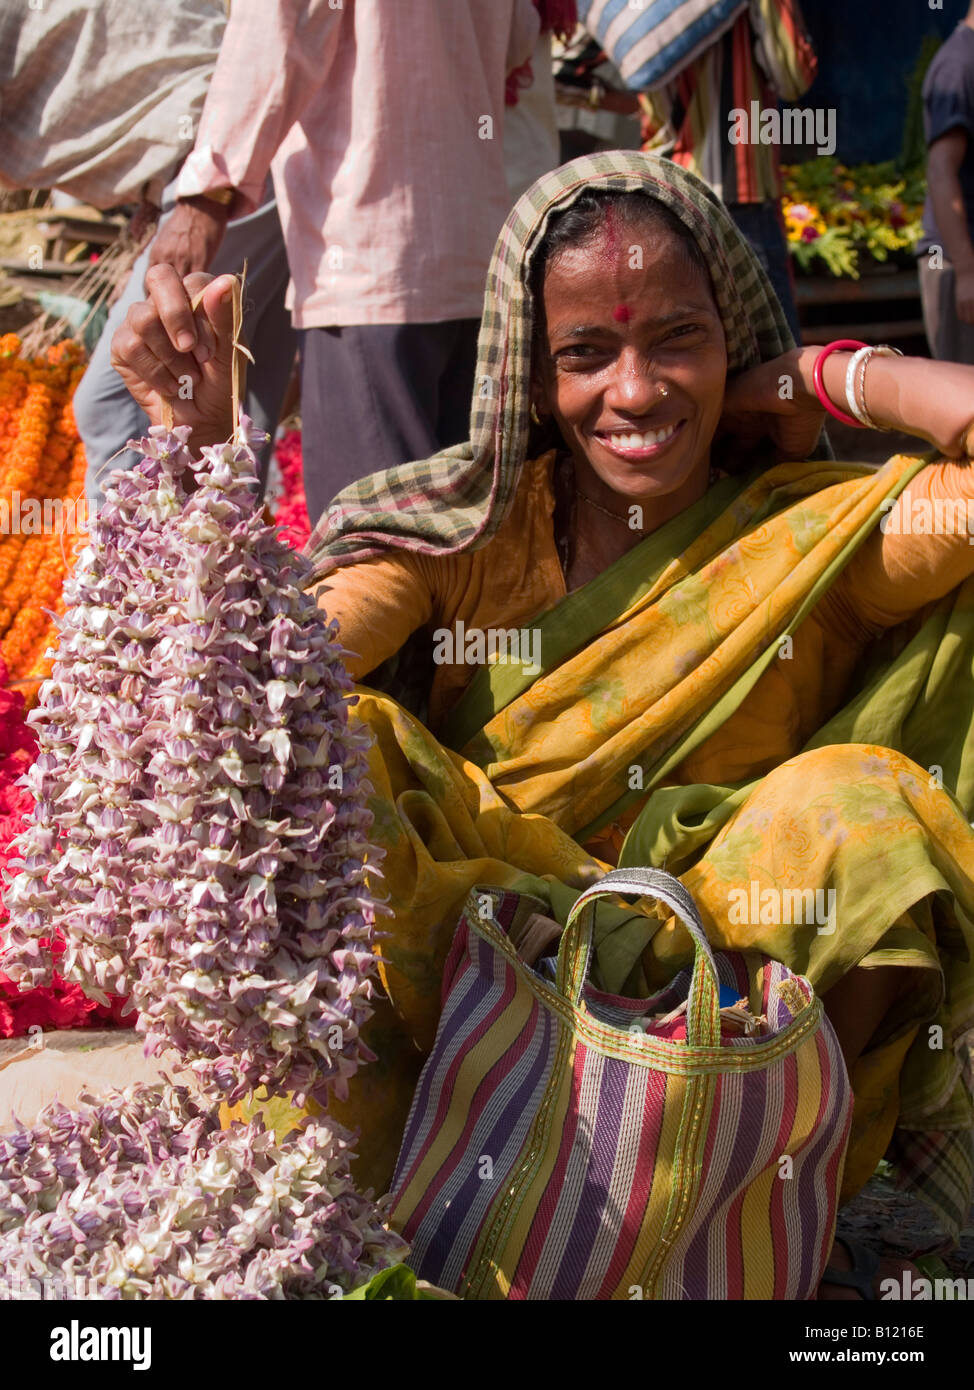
(580, 617)
(719, 713)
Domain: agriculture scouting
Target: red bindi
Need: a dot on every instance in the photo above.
(622, 313)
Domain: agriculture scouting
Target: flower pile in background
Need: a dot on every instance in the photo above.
(140, 1194)
(200, 834)
(836, 217)
(60, 1005)
(41, 461)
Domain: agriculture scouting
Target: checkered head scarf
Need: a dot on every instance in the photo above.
(458, 499)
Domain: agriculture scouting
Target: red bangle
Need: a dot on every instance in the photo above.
(840, 345)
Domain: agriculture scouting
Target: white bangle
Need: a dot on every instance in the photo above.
(883, 350)
(850, 387)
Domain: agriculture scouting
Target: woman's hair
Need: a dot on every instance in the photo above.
(584, 220)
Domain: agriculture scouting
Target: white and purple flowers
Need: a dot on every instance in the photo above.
(200, 841)
(141, 1194)
(200, 830)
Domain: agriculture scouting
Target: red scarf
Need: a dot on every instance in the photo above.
(558, 17)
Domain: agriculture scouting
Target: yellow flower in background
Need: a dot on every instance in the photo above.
(803, 221)
(835, 214)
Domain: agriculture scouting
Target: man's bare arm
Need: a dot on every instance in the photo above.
(943, 177)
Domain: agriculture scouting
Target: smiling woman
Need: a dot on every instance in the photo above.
(630, 364)
(704, 583)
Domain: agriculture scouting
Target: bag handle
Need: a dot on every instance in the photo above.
(703, 1004)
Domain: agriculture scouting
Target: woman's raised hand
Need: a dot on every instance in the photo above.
(164, 348)
(927, 399)
(769, 401)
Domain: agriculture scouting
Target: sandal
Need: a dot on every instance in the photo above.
(865, 1267)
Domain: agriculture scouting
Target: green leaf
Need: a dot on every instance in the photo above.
(933, 1268)
(397, 1282)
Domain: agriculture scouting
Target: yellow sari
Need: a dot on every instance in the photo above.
(640, 669)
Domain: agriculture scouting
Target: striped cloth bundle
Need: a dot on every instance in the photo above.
(650, 41)
(555, 1149)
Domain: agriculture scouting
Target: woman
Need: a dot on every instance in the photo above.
(695, 624)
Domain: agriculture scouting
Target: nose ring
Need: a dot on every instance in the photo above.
(663, 392)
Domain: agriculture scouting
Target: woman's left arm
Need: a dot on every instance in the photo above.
(916, 557)
(934, 400)
(923, 549)
(777, 399)
(910, 562)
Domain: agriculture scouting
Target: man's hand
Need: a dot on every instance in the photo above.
(191, 236)
(165, 349)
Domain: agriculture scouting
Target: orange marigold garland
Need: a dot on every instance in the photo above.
(34, 629)
(42, 477)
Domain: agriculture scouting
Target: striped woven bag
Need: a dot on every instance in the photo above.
(556, 1149)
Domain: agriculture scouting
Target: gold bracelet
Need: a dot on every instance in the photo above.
(566, 95)
(224, 196)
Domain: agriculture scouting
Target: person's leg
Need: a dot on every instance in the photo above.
(372, 398)
(270, 336)
(457, 384)
(759, 223)
(106, 415)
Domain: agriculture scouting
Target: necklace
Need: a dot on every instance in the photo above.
(566, 502)
(712, 478)
(599, 508)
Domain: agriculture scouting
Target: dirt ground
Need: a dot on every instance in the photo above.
(895, 1223)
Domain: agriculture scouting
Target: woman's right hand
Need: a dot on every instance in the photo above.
(164, 348)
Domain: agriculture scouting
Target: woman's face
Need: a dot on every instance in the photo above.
(618, 331)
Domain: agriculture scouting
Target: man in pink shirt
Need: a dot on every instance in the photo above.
(382, 124)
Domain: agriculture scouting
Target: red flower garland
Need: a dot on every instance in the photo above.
(292, 511)
(62, 1005)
